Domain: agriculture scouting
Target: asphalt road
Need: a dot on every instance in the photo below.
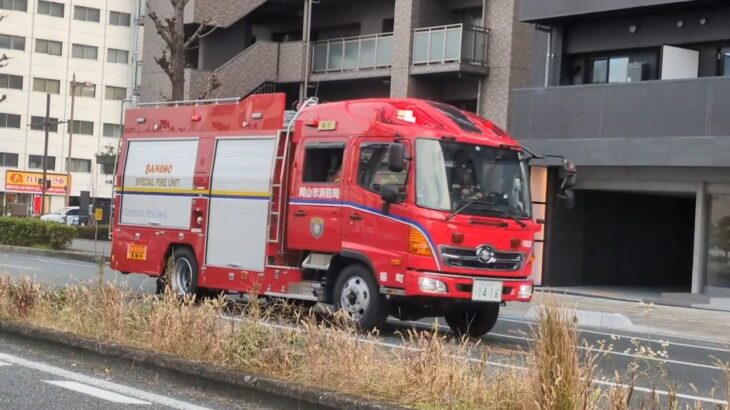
(689, 364)
(43, 376)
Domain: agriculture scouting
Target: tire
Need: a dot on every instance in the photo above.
(184, 275)
(357, 294)
(473, 320)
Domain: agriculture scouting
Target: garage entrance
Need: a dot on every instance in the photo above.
(626, 239)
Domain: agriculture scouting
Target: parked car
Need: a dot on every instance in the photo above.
(68, 216)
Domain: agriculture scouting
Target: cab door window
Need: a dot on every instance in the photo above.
(323, 163)
(373, 170)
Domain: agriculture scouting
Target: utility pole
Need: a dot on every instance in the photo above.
(46, 125)
(70, 141)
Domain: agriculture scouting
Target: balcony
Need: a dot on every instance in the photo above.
(536, 10)
(353, 57)
(451, 48)
(651, 123)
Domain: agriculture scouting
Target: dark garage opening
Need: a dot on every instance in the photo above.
(622, 239)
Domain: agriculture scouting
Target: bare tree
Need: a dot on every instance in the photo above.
(172, 32)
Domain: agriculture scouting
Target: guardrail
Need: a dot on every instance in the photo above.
(357, 53)
(453, 43)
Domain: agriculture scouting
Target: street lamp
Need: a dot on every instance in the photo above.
(74, 84)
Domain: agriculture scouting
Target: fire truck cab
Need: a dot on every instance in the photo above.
(379, 207)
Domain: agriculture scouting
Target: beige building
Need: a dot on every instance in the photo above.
(469, 53)
(48, 42)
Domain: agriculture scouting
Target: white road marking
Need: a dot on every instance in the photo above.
(504, 365)
(9, 265)
(643, 339)
(96, 392)
(617, 353)
(102, 384)
(77, 264)
(4, 364)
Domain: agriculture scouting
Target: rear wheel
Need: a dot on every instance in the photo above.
(473, 320)
(357, 294)
(184, 275)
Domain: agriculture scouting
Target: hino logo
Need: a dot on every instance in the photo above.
(485, 255)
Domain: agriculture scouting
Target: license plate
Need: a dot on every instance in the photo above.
(137, 252)
(486, 291)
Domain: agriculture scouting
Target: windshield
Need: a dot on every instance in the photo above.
(60, 211)
(450, 174)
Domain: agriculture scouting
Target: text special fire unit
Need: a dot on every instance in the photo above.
(379, 207)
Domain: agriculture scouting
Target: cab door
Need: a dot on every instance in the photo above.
(315, 207)
(381, 237)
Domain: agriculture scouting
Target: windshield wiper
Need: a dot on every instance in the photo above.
(491, 209)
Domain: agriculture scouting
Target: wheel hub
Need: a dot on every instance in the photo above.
(355, 297)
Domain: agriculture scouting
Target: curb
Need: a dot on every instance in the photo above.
(254, 383)
(70, 255)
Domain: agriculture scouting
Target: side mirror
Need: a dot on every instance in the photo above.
(568, 174)
(568, 198)
(389, 193)
(396, 157)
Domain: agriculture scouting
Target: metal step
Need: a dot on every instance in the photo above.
(318, 261)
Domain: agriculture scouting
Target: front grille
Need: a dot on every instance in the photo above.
(467, 258)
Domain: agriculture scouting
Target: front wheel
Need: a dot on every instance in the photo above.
(473, 320)
(357, 294)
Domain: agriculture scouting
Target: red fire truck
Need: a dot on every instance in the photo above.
(379, 207)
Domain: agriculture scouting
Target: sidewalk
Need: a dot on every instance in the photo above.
(632, 316)
(103, 248)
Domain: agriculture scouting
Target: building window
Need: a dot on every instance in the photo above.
(12, 42)
(36, 162)
(45, 85)
(14, 82)
(9, 120)
(610, 70)
(718, 243)
(51, 8)
(373, 171)
(115, 93)
(86, 14)
(36, 123)
(323, 163)
(82, 89)
(78, 165)
(112, 130)
(17, 5)
(83, 127)
(117, 56)
(85, 52)
(120, 19)
(48, 47)
(8, 160)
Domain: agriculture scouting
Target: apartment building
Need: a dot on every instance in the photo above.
(48, 42)
(633, 91)
(465, 52)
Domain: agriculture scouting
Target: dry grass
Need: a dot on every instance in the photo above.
(429, 372)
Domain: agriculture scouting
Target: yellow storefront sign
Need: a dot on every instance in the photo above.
(30, 182)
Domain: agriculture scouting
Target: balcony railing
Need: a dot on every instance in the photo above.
(454, 43)
(368, 52)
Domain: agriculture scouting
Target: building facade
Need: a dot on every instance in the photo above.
(48, 42)
(633, 92)
(465, 52)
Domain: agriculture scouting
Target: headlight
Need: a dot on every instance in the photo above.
(431, 285)
(525, 291)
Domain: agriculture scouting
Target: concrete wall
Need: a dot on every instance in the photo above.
(369, 15)
(677, 122)
(224, 44)
(534, 10)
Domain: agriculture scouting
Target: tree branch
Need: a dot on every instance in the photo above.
(201, 33)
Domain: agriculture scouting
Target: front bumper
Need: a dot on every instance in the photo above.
(460, 287)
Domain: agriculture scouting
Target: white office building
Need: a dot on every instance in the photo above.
(47, 42)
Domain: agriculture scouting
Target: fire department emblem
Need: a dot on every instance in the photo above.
(316, 227)
(485, 255)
